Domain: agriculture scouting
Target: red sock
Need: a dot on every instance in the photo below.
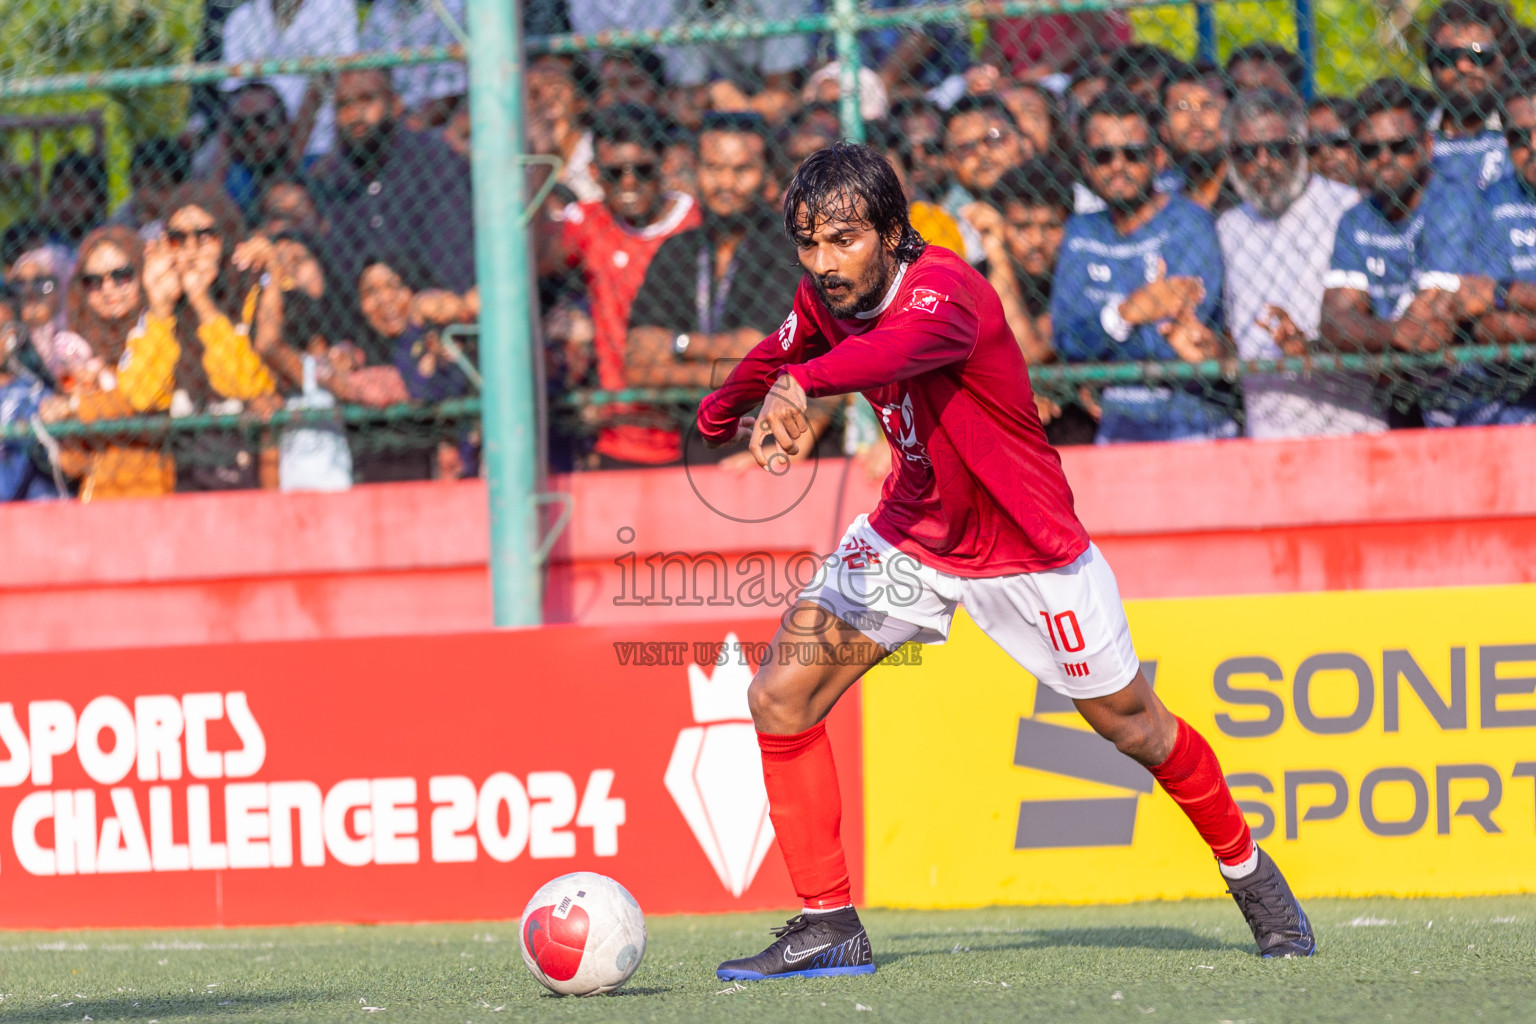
(1192, 776)
(807, 810)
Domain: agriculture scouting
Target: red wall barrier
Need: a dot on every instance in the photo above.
(1409, 508)
(396, 779)
(339, 779)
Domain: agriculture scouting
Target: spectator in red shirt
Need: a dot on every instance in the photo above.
(612, 241)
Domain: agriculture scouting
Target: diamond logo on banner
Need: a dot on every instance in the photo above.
(716, 773)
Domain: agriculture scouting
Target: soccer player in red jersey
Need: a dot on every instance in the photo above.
(613, 241)
(976, 511)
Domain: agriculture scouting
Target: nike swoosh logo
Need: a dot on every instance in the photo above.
(792, 957)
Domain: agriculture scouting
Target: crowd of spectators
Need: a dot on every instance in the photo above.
(308, 247)
(1127, 205)
(311, 242)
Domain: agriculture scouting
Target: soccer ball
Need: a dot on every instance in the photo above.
(582, 934)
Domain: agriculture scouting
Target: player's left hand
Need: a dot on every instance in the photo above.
(783, 418)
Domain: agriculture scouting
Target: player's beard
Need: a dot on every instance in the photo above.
(369, 149)
(1398, 199)
(1133, 202)
(1462, 105)
(263, 165)
(864, 294)
(1274, 202)
(1199, 168)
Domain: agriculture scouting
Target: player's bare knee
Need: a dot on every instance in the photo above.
(770, 703)
(1136, 736)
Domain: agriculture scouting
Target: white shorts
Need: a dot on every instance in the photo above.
(1066, 626)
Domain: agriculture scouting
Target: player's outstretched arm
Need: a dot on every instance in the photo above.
(743, 390)
(937, 331)
(750, 379)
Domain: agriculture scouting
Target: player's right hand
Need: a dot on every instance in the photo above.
(783, 418)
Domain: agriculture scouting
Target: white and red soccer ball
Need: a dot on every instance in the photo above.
(582, 934)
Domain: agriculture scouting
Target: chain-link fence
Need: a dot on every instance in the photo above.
(232, 277)
(1202, 220)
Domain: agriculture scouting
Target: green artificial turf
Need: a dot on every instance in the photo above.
(1380, 960)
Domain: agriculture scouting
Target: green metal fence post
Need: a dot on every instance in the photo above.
(1205, 32)
(845, 14)
(506, 327)
(1306, 44)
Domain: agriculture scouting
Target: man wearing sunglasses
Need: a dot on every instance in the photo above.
(1502, 300)
(1398, 257)
(1139, 280)
(612, 241)
(1276, 247)
(1330, 147)
(1466, 61)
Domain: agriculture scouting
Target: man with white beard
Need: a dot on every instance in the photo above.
(1276, 248)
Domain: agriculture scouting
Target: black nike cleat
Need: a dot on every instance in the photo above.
(808, 946)
(1279, 925)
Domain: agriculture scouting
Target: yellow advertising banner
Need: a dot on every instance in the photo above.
(1380, 742)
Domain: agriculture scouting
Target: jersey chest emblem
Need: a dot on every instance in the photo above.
(901, 425)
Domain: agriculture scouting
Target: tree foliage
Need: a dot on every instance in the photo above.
(50, 37)
(1357, 40)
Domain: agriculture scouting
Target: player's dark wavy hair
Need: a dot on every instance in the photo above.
(850, 182)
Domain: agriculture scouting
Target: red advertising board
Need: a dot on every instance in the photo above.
(395, 779)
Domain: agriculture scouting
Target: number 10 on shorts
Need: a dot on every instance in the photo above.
(1066, 634)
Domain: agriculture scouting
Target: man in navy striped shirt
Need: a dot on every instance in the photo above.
(1141, 279)
(1464, 51)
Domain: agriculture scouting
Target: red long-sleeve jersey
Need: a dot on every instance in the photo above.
(975, 488)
